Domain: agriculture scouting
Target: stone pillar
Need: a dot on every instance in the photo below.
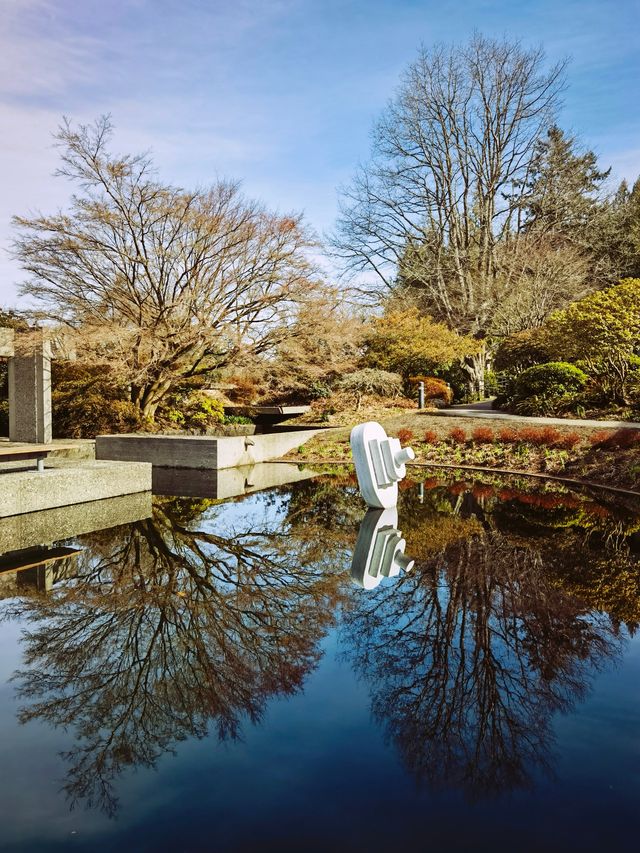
(30, 389)
(6, 342)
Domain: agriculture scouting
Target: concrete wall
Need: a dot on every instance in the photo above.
(33, 491)
(195, 451)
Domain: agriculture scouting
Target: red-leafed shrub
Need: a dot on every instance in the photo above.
(569, 440)
(509, 435)
(528, 435)
(458, 488)
(405, 435)
(434, 389)
(482, 435)
(597, 510)
(430, 436)
(457, 435)
(431, 483)
(620, 439)
(549, 436)
(599, 437)
(482, 490)
(623, 439)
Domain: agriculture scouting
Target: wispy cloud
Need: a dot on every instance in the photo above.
(280, 93)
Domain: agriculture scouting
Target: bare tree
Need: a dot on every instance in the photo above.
(451, 157)
(170, 631)
(537, 276)
(165, 281)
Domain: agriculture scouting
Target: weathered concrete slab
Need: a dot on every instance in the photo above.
(228, 482)
(7, 337)
(68, 484)
(30, 530)
(195, 451)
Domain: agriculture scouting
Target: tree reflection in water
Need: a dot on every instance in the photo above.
(172, 629)
(469, 657)
(168, 629)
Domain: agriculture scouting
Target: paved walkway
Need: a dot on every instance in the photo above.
(484, 410)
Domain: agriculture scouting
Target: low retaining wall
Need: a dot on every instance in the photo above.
(200, 451)
(67, 484)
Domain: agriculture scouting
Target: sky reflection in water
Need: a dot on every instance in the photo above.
(487, 699)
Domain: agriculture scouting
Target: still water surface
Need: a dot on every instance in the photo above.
(211, 678)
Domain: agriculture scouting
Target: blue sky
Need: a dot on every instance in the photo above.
(278, 93)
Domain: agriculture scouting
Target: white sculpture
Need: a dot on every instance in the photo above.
(380, 464)
(379, 551)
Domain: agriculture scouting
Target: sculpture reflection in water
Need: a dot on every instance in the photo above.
(171, 629)
(379, 551)
(469, 657)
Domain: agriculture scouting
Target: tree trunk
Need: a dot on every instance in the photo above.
(475, 366)
(148, 397)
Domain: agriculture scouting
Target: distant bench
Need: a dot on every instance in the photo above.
(39, 452)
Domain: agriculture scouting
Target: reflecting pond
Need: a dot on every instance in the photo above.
(216, 675)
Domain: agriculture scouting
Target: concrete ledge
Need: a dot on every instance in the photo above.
(195, 451)
(67, 484)
(18, 532)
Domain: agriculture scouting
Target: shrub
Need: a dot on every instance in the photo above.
(434, 389)
(491, 384)
(482, 490)
(237, 419)
(371, 381)
(458, 488)
(91, 415)
(482, 435)
(554, 379)
(528, 435)
(430, 436)
(598, 438)
(318, 390)
(405, 435)
(509, 435)
(622, 439)
(457, 380)
(457, 435)
(244, 390)
(88, 400)
(431, 483)
(192, 410)
(569, 440)
(522, 350)
(549, 436)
